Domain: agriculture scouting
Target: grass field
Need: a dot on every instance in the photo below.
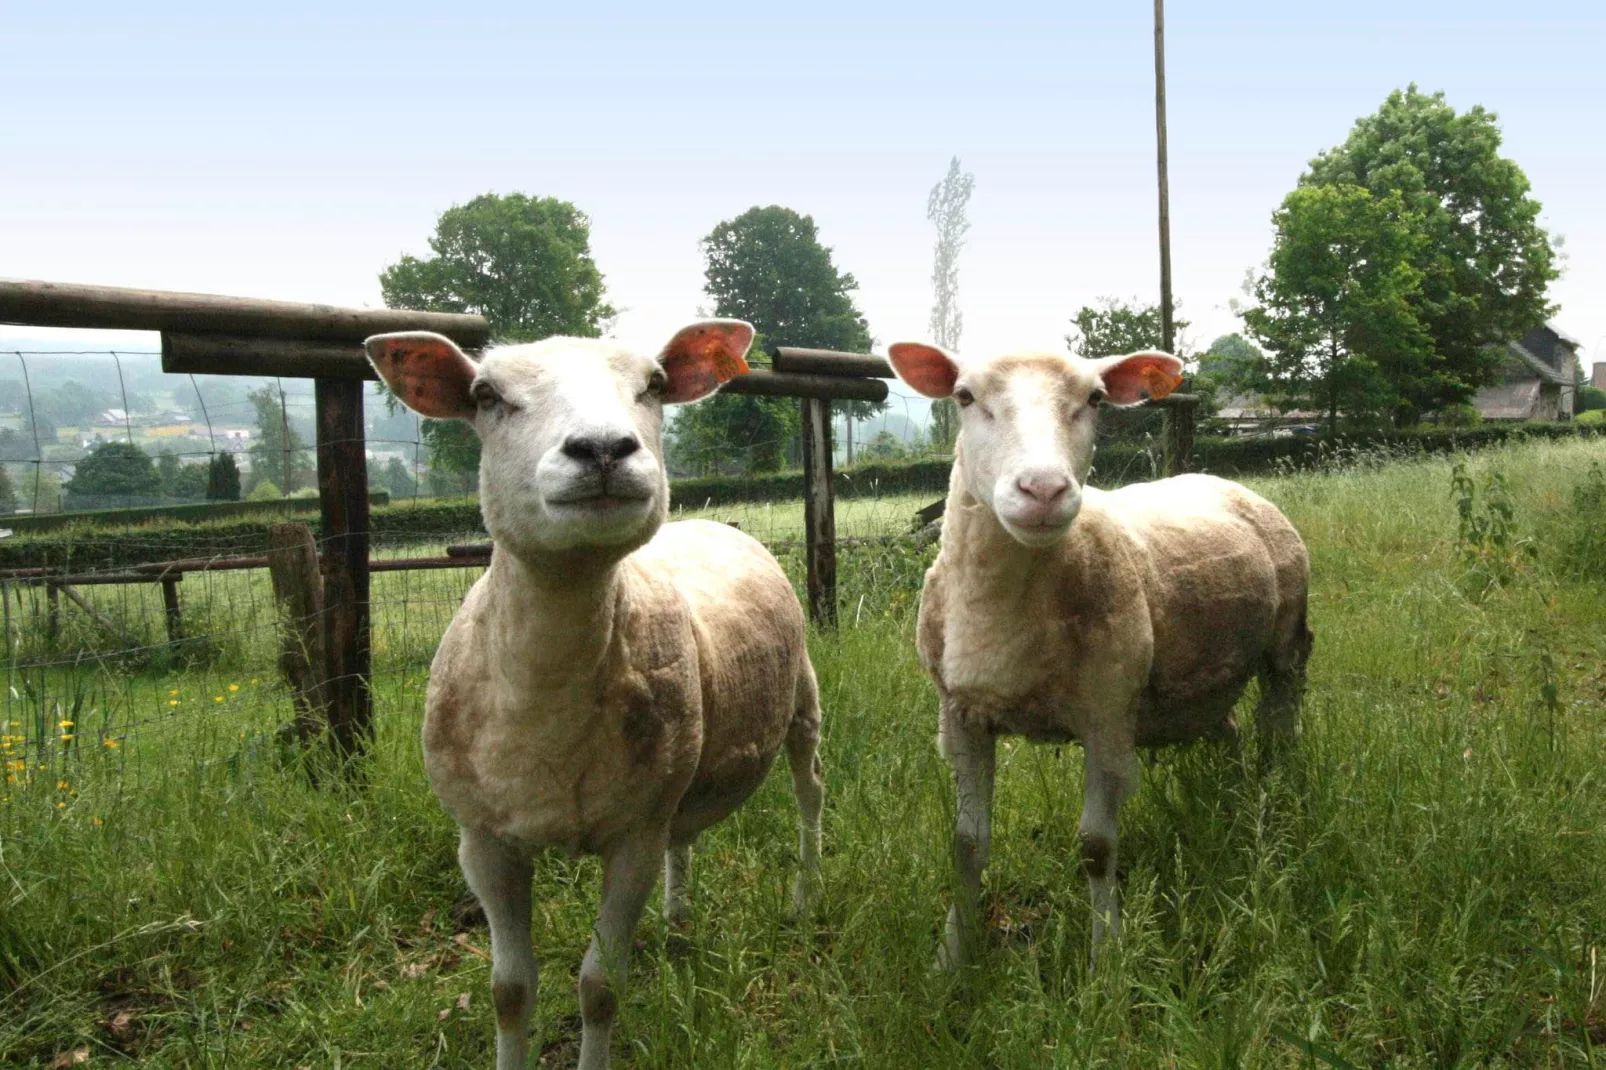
(1421, 885)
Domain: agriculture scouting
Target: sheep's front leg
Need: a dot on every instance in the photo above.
(1111, 776)
(499, 876)
(628, 875)
(971, 751)
(677, 874)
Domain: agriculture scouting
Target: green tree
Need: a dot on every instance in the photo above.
(222, 478)
(1231, 366)
(767, 267)
(524, 263)
(1111, 327)
(392, 476)
(8, 493)
(1334, 304)
(113, 474)
(946, 210)
(167, 470)
(278, 453)
(1483, 260)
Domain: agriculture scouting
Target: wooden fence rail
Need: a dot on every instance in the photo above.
(216, 335)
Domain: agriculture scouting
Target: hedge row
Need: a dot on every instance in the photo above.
(189, 512)
(105, 542)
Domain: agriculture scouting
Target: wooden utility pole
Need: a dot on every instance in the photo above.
(1178, 418)
(1166, 331)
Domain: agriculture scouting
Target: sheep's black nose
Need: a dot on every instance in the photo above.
(600, 450)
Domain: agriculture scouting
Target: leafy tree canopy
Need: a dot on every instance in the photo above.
(112, 473)
(278, 453)
(524, 263)
(767, 266)
(1111, 327)
(223, 479)
(1483, 260)
(1334, 304)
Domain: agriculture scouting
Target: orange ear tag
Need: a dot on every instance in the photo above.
(727, 365)
(1160, 381)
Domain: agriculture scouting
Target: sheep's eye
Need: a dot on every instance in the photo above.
(964, 397)
(657, 382)
(484, 394)
(1095, 399)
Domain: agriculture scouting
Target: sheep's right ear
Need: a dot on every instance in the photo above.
(926, 368)
(426, 371)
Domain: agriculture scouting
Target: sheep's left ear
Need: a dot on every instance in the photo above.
(426, 371)
(1127, 379)
(702, 356)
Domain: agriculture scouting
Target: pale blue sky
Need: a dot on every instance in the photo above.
(294, 150)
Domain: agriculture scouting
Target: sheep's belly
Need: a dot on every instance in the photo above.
(578, 802)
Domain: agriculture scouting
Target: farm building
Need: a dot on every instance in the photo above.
(1538, 378)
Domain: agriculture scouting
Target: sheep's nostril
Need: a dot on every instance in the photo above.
(1043, 490)
(600, 450)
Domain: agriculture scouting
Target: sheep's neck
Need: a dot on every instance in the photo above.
(997, 570)
(552, 621)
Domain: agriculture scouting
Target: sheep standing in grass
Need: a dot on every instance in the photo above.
(1138, 624)
(611, 685)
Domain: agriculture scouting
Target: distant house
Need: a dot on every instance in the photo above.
(1597, 378)
(1538, 378)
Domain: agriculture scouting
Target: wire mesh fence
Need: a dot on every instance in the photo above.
(117, 669)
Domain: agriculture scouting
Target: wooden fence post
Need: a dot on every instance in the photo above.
(343, 493)
(175, 617)
(1179, 419)
(819, 511)
(298, 594)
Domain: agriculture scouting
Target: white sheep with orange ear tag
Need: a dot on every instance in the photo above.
(612, 684)
(1059, 612)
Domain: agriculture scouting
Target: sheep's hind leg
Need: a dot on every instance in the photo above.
(972, 752)
(808, 785)
(499, 876)
(1111, 776)
(628, 875)
(677, 874)
(1282, 692)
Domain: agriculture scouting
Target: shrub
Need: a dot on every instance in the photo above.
(265, 491)
(1592, 418)
(1590, 399)
(1462, 415)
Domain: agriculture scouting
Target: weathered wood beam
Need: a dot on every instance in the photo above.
(792, 385)
(55, 304)
(830, 362)
(819, 512)
(292, 358)
(343, 494)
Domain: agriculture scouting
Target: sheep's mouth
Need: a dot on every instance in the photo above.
(601, 499)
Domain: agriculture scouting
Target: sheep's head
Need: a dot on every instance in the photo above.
(571, 429)
(1027, 424)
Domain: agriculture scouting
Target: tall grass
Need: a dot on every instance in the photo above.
(1421, 884)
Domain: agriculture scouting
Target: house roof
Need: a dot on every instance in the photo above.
(1563, 335)
(1544, 371)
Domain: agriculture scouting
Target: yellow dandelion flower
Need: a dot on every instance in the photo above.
(20, 763)
(65, 736)
(64, 724)
(113, 744)
(217, 698)
(173, 692)
(253, 683)
(97, 822)
(61, 806)
(61, 785)
(234, 687)
(172, 702)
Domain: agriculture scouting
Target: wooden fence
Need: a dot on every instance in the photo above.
(215, 335)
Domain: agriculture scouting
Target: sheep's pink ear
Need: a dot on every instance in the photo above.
(926, 368)
(426, 371)
(702, 356)
(1127, 379)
